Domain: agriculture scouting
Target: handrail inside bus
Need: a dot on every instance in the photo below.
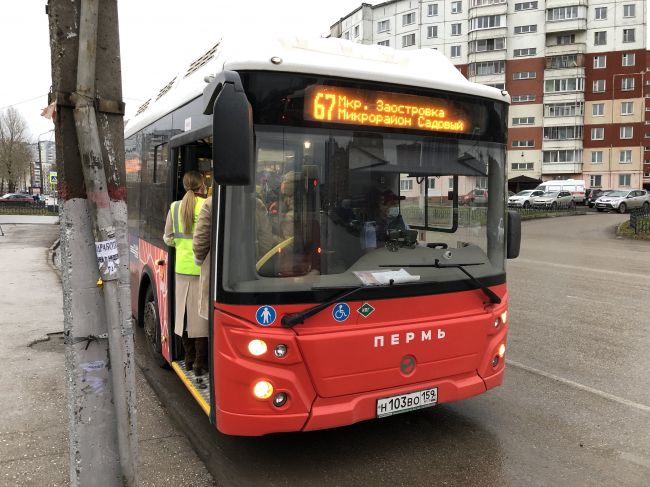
(266, 257)
(191, 136)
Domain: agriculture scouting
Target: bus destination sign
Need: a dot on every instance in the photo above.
(384, 109)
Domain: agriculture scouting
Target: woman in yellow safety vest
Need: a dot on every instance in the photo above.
(179, 231)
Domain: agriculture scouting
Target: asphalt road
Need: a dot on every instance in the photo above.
(574, 409)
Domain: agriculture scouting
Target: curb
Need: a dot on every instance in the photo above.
(51, 254)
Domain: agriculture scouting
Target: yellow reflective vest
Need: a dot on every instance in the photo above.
(183, 241)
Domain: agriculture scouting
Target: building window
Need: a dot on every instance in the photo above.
(629, 10)
(600, 13)
(598, 109)
(346, 35)
(595, 181)
(566, 39)
(525, 6)
(408, 40)
(597, 133)
(451, 183)
(628, 59)
(487, 22)
(563, 133)
(456, 29)
(562, 13)
(525, 29)
(598, 86)
(567, 109)
(432, 31)
(498, 86)
(626, 132)
(564, 85)
(624, 179)
(628, 35)
(600, 38)
(408, 19)
(432, 183)
(531, 51)
(487, 68)
(484, 3)
(523, 120)
(456, 7)
(563, 61)
(406, 185)
(625, 156)
(627, 108)
(600, 62)
(486, 45)
(562, 155)
(597, 157)
(523, 143)
(356, 31)
(384, 43)
(627, 84)
(522, 98)
(455, 51)
(432, 10)
(524, 75)
(522, 166)
(383, 26)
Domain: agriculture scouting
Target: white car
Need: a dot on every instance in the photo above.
(622, 201)
(524, 199)
(554, 200)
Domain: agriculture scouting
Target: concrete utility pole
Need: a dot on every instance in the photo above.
(96, 293)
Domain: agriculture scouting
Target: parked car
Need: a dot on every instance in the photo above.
(622, 201)
(17, 199)
(475, 197)
(554, 200)
(594, 194)
(524, 199)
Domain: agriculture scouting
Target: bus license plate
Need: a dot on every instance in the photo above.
(388, 406)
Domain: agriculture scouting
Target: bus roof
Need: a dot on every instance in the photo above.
(426, 68)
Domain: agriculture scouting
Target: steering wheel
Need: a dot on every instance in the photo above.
(274, 251)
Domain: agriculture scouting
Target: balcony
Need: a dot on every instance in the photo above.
(555, 49)
(564, 73)
(570, 25)
(565, 3)
(494, 9)
(570, 144)
(561, 168)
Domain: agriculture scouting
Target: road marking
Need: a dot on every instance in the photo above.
(606, 395)
(579, 268)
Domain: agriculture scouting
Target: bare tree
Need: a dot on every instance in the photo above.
(14, 147)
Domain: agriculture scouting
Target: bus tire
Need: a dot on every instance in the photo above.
(151, 325)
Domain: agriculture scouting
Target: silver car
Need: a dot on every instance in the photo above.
(524, 199)
(622, 201)
(554, 200)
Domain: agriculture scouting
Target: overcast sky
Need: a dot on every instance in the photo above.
(157, 38)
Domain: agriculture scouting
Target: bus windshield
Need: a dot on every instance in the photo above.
(339, 208)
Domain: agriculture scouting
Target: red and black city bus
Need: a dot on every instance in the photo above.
(347, 283)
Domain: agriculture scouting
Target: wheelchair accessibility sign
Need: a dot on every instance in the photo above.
(341, 312)
(265, 315)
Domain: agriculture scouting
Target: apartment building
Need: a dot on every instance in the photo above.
(577, 72)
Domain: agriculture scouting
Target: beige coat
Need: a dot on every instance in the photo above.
(187, 295)
(201, 249)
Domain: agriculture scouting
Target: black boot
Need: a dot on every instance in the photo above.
(201, 362)
(189, 346)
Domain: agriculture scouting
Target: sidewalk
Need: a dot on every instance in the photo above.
(33, 423)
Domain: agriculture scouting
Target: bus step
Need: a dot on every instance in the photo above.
(199, 387)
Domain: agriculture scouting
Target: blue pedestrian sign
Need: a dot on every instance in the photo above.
(265, 315)
(340, 312)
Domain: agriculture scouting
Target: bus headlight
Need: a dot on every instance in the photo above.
(257, 347)
(502, 350)
(504, 317)
(263, 389)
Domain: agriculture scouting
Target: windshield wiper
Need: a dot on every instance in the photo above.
(494, 298)
(298, 318)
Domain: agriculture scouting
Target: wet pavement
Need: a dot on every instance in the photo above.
(33, 423)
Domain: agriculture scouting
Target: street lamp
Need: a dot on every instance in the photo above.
(40, 160)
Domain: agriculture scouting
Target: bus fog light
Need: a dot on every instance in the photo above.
(495, 361)
(280, 350)
(279, 399)
(263, 389)
(502, 350)
(257, 347)
(496, 323)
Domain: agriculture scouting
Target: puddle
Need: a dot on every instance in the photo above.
(53, 343)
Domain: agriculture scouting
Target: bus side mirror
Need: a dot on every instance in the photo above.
(232, 130)
(514, 235)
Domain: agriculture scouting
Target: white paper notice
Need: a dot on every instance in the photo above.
(108, 258)
(375, 278)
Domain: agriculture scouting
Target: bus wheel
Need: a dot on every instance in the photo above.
(151, 325)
